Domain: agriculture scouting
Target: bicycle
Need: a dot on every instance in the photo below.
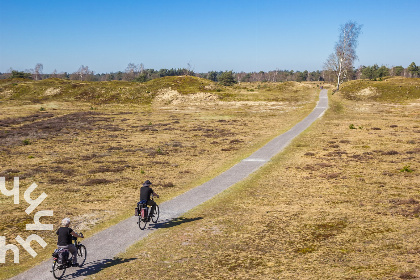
(142, 211)
(58, 269)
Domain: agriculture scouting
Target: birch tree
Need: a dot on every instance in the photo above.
(38, 71)
(83, 72)
(131, 71)
(344, 55)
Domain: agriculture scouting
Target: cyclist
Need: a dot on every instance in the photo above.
(145, 192)
(65, 239)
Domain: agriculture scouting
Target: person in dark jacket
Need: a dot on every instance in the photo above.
(65, 234)
(145, 196)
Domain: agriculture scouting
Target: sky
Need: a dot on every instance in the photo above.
(203, 35)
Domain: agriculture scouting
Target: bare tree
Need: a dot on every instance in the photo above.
(131, 71)
(38, 71)
(8, 74)
(333, 65)
(341, 61)
(189, 70)
(83, 72)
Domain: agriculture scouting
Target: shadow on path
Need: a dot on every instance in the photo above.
(95, 266)
(174, 222)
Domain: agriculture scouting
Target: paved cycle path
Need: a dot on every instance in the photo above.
(105, 245)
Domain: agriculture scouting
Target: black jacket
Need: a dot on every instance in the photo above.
(145, 193)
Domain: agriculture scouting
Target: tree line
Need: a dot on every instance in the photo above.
(137, 73)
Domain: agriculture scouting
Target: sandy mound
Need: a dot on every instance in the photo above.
(6, 94)
(370, 91)
(52, 91)
(173, 97)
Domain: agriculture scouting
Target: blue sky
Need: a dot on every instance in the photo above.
(260, 35)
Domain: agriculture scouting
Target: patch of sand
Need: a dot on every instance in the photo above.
(369, 91)
(7, 93)
(169, 98)
(52, 91)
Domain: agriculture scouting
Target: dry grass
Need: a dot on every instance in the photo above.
(90, 158)
(339, 203)
(98, 92)
(396, 90)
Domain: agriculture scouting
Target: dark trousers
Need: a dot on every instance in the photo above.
(153, 204)
(73, 251)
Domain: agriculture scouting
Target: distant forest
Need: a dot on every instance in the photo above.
(138, 73)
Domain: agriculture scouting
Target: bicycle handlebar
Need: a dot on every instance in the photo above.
(75, 238)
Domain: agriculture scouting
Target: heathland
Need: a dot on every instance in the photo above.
(341, 202)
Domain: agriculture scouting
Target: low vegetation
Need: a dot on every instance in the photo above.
(396, 90)
(339, 203)
(90, 153)
(97, 92)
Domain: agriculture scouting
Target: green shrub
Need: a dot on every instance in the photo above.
(406, 169)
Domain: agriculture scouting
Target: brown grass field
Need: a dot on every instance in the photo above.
(341, 202)
(90, 157)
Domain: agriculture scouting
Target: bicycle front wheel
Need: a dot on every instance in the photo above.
(81, 254)
(155, 216)
(58, 270)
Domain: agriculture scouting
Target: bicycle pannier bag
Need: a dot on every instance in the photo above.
(144, 212)
(63, 256)
(56, 252)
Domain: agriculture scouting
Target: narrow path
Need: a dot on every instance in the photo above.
(105, 245)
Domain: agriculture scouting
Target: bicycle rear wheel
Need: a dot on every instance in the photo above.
(155, 216)
(58, 270)
(142, 219)
(81, 254)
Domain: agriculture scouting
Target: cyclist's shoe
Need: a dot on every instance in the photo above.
(75, 265)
